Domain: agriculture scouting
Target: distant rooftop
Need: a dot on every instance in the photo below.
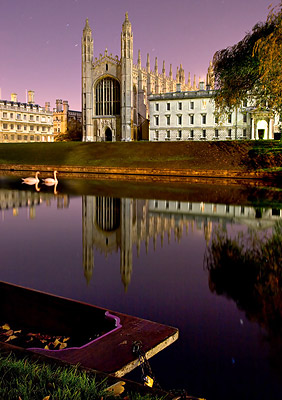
(182, 95)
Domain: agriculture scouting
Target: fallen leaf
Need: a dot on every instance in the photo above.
(56, 343)
(117, 388)
(65, 339)
(62, 346)
(46, 347)
(11, 338)
(9, 333)
(46, 398)
(6, 327)
(18, 331)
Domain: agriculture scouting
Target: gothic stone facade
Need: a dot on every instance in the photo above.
(114, 90)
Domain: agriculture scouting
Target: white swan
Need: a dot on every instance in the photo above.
(51, 181)
(31, 180)
(55, 188)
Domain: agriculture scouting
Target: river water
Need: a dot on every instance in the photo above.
(144, 250)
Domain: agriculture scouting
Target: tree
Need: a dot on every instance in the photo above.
(269, 52)
(252, 68)
(247, 269)
(73, 133)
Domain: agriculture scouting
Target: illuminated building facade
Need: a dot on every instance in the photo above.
(114, 90)
(25, 122)
(191, 115)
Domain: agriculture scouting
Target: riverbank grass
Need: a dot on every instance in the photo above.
(197, 155)
(25, 379)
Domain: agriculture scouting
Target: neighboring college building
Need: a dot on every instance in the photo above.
(186, 115)
(25, 122)
(114, 90)
(62, 117)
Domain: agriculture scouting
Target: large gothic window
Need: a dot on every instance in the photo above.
(108, 213)
(108, 97)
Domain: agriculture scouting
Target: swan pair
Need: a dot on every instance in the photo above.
(35, 180)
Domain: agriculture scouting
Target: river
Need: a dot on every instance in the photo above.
(146, 250)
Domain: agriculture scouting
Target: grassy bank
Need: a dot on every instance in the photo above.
(26, 379)
(201, 155)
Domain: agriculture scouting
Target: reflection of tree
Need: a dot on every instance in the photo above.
(248, 269)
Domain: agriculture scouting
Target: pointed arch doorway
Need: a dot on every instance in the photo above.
(109, 135)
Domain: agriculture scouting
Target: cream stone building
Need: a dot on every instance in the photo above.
(115, 90)
(25, 122)
(62, 116)
(191, 115)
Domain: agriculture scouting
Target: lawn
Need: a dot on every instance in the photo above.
(23, 378)
(196, 155)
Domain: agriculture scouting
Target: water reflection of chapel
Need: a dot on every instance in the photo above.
(112, 225)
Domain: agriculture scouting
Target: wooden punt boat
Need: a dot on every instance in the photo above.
(110, 352)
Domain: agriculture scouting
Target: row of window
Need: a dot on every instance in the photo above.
(191, 105)
(192, 119)
(179, 135)
(275, 212)
(20, 117)
(24, 127)
(32, 138)
(169, 204)
(180, 105)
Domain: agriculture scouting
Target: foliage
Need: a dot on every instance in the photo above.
(252, 68)
(269, 52)
(265, 155)
(74, 132)
(247, 268)
(24, 338)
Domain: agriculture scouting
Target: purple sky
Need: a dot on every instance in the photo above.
(40, 40)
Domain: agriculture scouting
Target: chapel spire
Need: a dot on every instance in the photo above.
(194, 83)
(163, 71)
(87, 51)
(87, 43)
(210, 76)
(126, 26)
(86, 28)
(139, 59)
(177, 74)
(189, 81)
(126, 78)
(126, 39)
(148, 63)
(156, 65)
